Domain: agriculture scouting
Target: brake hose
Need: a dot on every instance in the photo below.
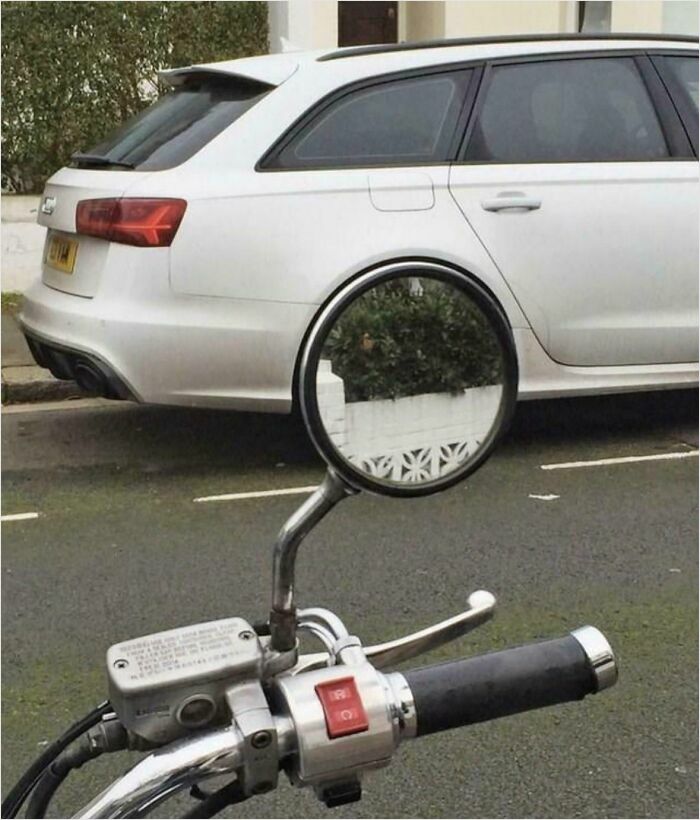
(212, 804)
(70, 759)
(18, 794)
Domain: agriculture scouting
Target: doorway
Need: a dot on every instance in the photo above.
(366, 23)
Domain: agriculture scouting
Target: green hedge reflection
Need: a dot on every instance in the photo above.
(412, 336)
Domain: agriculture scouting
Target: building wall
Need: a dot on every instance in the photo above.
(481, 17)
(637, 15)
(680, 17)
(423, 20)
(300, 25)
(313, 24)
(22, 242)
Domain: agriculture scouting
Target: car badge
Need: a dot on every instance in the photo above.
(48, 205)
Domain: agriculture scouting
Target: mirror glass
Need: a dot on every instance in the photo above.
(409, 381)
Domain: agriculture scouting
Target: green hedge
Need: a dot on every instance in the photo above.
(393, 342)
(71, 71)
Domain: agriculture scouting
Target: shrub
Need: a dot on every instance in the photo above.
(73, 70)
(399, 341)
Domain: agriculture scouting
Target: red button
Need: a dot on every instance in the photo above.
(342, 706)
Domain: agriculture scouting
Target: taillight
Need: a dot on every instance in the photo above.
(150, 223)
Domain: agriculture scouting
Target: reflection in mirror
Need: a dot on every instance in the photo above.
(410, 380)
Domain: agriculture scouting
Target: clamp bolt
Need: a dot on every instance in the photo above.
(260, 740)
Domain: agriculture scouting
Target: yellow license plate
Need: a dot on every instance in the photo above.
(61, 253)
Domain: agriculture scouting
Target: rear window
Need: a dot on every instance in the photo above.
(178, 125)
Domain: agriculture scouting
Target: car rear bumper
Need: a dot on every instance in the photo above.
(90, 372)
(191, 351)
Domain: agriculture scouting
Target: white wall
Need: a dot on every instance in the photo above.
(637, 16)
(680, 17)
(422, 20)
(407, 439)
(22, 242)
(303, 24)
(464, 18)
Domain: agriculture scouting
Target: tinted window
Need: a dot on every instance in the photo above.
(179, 124)
(583, 110)
(399, 122)
(685, 70)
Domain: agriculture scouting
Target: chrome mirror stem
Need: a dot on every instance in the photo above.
(283, 613)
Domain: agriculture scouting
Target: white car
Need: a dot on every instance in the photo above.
(188, 253)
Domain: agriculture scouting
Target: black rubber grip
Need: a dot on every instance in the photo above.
(501, 683)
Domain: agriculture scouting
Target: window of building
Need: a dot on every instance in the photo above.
(581, 110)
(365, 23)
(595, 17)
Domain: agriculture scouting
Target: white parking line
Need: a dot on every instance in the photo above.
(19, 516)
(604, 462)
(259, 494)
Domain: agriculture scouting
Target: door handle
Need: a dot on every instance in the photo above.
(511, 202)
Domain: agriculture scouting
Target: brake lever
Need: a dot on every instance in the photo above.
(480, 608)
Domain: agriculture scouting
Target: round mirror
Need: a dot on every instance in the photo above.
(408, 377)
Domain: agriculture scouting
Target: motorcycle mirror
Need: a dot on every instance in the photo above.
(408, 379)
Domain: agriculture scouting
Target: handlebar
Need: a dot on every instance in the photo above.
(502, 683)
(167, 771)
(421, 701)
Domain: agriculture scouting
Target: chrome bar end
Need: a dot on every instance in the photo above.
(600, 656)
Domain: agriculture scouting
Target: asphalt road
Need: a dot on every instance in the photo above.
(119, 549)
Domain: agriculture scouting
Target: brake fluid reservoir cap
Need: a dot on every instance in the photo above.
(195, 711)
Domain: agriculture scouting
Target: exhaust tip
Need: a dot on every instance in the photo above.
(90, 378)
(600, 656)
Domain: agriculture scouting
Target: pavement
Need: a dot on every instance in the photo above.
(22, 380)
(119, 548)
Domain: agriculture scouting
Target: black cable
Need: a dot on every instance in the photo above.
(18, 793)
(216, 802)
(71, 758)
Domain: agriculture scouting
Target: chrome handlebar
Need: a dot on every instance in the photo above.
(179, 766)
(168, 770)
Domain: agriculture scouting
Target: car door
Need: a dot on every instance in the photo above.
(580, 181)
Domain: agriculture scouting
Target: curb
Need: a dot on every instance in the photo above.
(25, 385)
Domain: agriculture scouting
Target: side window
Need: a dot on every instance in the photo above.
(581, 110)
(394, 123)
(685, 71)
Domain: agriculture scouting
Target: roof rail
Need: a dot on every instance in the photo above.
(360, 51)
